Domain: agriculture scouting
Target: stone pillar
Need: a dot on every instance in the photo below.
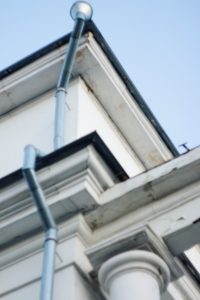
(134, 275)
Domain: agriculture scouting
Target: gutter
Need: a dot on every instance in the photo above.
(64, 152)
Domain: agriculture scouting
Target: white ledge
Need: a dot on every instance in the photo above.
(157, 191)
(71, 186)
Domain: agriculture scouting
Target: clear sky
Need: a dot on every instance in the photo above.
(156, 41)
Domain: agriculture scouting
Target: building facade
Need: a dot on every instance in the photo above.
(125, 203)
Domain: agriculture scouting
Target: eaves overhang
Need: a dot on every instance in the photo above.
(72, 179)
(72, 148)
(154, 193)
(91, 27)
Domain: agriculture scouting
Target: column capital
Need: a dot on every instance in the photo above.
(132, 262)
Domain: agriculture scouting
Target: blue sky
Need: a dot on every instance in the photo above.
(156, 41)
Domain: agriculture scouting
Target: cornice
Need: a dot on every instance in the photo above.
(74, 227)
(150, 194)
(142, 238)
(71, 186)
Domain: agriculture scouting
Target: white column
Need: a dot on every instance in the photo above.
(134, 275)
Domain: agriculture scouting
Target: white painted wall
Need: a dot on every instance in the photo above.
(30, 124)
(194, 255)
(90, 116)
(21, 279)
(33, 123)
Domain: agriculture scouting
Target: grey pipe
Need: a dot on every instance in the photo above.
(30, 156)
(80, 12)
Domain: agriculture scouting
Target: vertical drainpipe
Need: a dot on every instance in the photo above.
(30, 156)
(80, 12)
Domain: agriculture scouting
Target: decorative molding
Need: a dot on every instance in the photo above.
(71, 186)
(143, 239)
(135, 261)
(154, 193)
(74, 227)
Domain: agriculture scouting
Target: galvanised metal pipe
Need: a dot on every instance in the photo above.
(46, 291)
(30, 156)
(81, 12)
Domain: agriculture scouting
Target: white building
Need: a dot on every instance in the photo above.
(120, 194)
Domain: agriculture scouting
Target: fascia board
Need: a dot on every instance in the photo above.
(102, 79)
(91, 28)
(154, 192)
(32, 81)
(113, 167)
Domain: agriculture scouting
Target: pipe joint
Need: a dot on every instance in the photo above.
(61, 89)
(51, 234)
(30, 155)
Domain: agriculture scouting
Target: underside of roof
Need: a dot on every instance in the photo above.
(91, 27)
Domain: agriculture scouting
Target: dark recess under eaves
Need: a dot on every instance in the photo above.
(55, 156)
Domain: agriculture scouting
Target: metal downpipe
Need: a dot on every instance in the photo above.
(81, 12)
(30, 156)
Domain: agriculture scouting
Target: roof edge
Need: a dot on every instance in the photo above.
(91, 27)
(131, 87)
(70, 149)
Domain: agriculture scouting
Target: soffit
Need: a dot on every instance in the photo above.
(103, 81)
(153, 193)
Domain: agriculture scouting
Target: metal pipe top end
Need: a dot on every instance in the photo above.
(81, 10)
